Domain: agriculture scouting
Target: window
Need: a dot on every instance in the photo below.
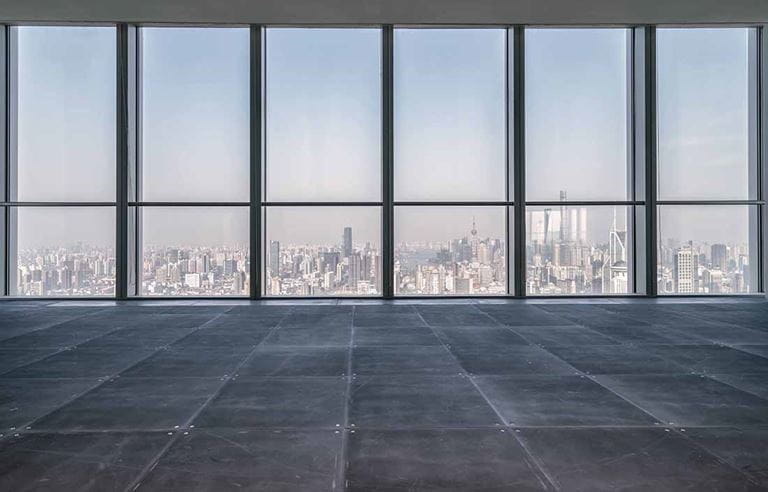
(323, 114)
(578, 141)
(61, 110)
(707, 161)
(323, 251)
(64, 97)
(579, 250)
(194, 251)
(707, 249)
(577, 114)
(323, 133)
(449, 126)
(64, 251)
(706, 114)
(195, 118)
(195, 152)
(379, 161)
(450, 251)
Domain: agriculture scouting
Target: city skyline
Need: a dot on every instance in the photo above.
(322, 136)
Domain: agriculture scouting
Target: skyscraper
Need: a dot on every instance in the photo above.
(274, 258)
(686, 270)
(347, 241)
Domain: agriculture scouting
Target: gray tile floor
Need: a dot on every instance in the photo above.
(482, 395)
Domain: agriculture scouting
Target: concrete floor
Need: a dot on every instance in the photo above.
(612, 395)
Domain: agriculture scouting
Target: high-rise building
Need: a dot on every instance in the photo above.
(720, 257)
(686, 270)
(274, 258)
(347, 241)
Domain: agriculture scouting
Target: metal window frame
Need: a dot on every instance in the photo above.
(757, 141)
(642, 164)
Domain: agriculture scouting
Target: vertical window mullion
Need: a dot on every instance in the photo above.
(650, 159)
(256, 240)
(762, 130)
(518, 145)
(388, 250)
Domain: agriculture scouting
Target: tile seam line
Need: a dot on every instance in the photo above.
(543, 476)
(145, 471)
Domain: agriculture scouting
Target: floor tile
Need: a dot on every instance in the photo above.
(616, 360)
(81, 363)
(553, 336)
(388, 320)
(133, 403)
(277, 402)
(744, 449)
(725, 333)
(761, 350)
(86, 462)
(177, 362)
(445, 316)
(592, 460)
(23, 400)
(511, 359)
(316, 336)
(223, 337)
(418, 401)
(479, 335)
(229, 459)
(420, 335)
(13, 358)
(62, 335)
(633, 332)
(138, 337)
(712, 359)
(297, 361)
(523, 316)
(689, 400)
(558, 401)
(459, 459)
(757, 384)
(404, 360)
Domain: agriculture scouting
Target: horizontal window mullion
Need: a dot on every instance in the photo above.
(710, 202)
(322, 204)
(189, 204)
(452, 204)
(58, 204)
(583, 203)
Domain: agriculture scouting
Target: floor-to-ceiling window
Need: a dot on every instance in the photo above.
(322, 171)
(578, 161)
(379, 161)
(193, 166)
(707, 160)
(450, 161)
(61, 161)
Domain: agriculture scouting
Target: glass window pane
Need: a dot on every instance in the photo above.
(450, 251)
(576, 114)
(450, 109)
(323, 114)
(66, 251)
(704, 114)
(319, 251)
(65, 97)
(195, 114)
(195, 251)
(709, 249)
(578, 250)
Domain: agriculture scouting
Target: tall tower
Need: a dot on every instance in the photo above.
(347, 241)
(565, 233)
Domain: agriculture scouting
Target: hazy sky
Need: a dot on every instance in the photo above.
(195, 123)
(323, 123)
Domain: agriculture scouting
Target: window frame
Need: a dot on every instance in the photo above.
(644, 200)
